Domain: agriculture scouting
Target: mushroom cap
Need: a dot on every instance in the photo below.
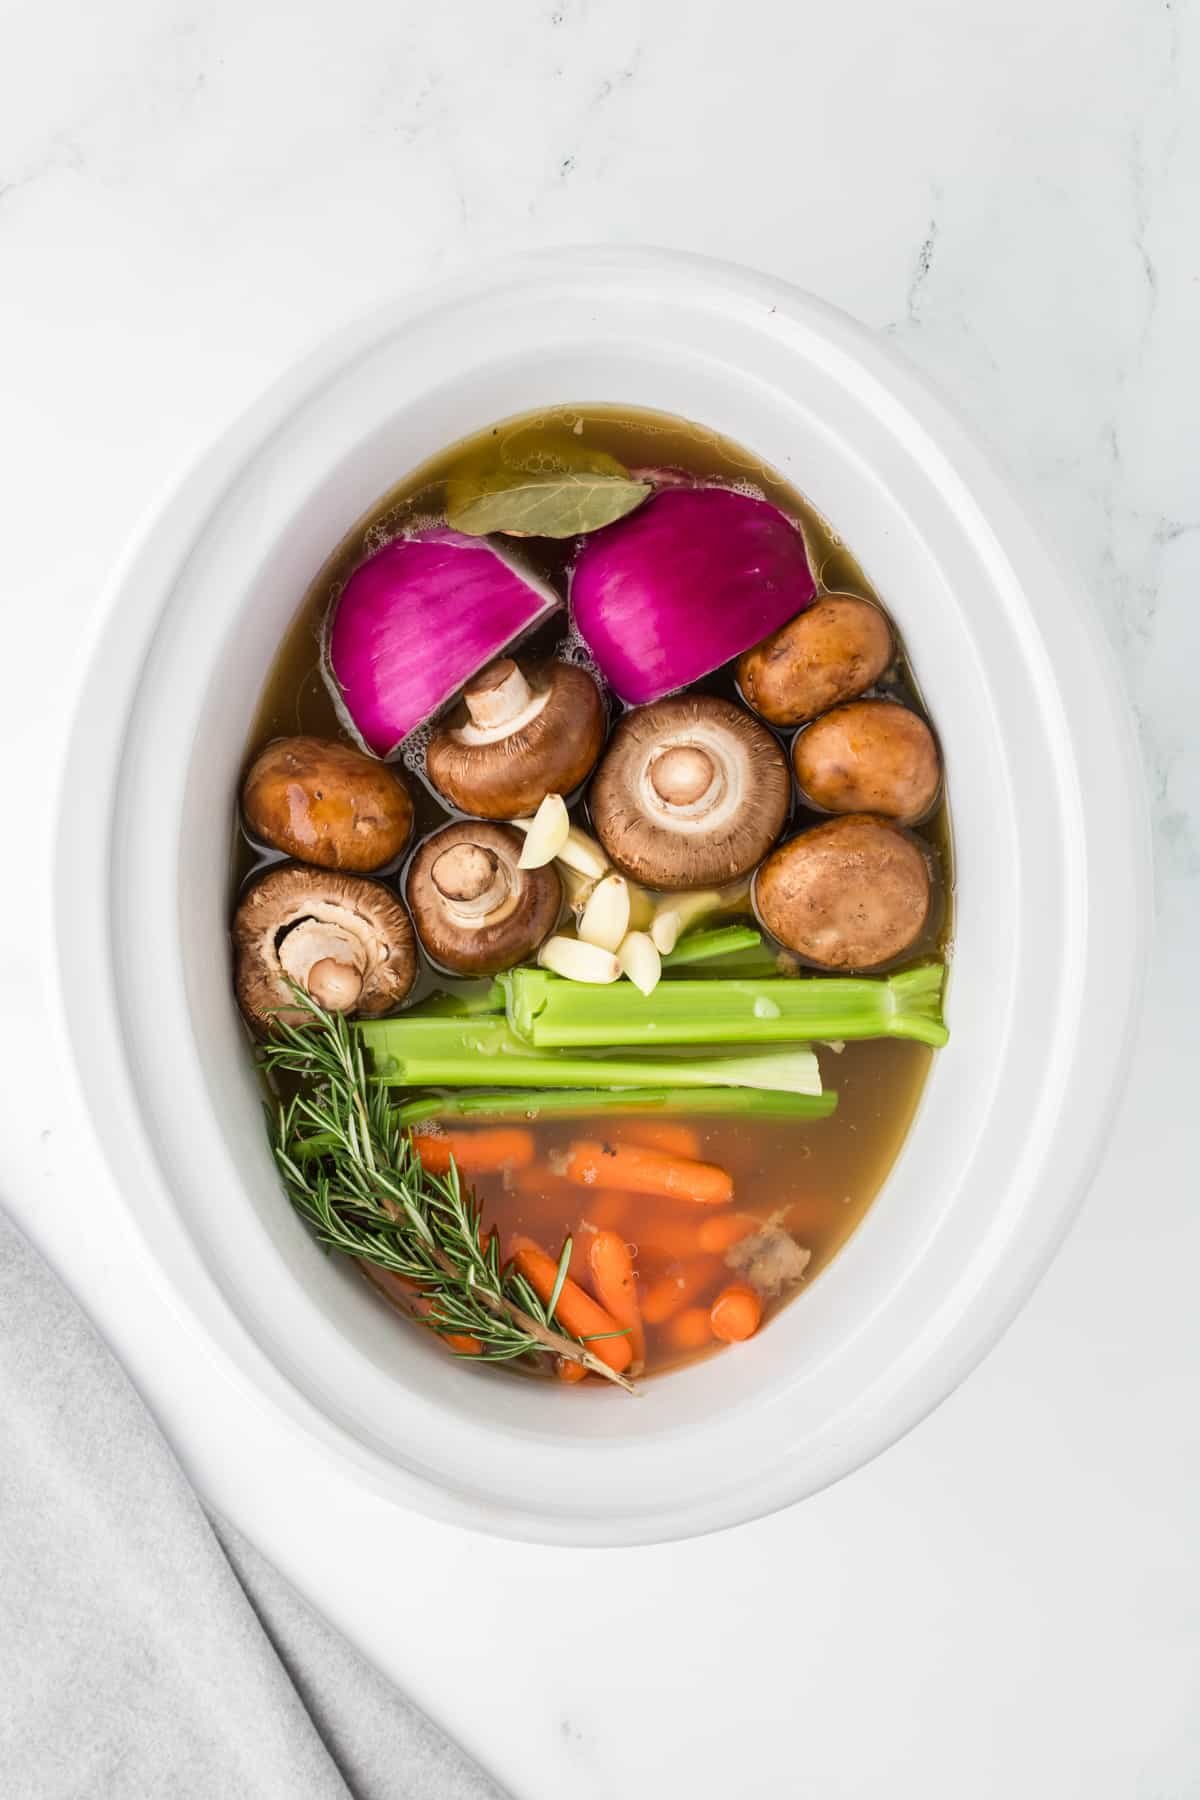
(347, 941)
(475, 910)
(834, 650)
(849, 894)
(691, 792)
(872, 756)
(326, 804)
(548, 745)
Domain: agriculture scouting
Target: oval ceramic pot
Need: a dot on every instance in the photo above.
(1051, 860)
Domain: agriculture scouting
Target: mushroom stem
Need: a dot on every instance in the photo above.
(685, 775)
(497, 695)
(334, 985)
(471, 880)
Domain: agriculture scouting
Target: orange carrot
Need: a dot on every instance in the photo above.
(638, 1171)
(410, 1299)
(661, 1134)
(615, 1286)
(663, 1235)
(682, 1283)
(690, 1329)
(725, 1230)
(736, 1313)
(606, 1209)
(540, 1182)
(566, 1370)
(475, 1152)
(576, 1311)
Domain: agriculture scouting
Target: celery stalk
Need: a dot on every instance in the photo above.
(548, 1013)
(467, 1000)
(585, 1103)
(703, 946)
(410, 1051)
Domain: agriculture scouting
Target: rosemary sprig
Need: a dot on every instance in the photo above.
(350, 1170)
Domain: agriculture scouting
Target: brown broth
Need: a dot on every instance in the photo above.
(821, 1176)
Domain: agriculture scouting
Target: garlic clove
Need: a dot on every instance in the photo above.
(584, 855)
(639, 960)
(605, 918)
(664, 930)
(641, 907)
(577, 961)
(545, 834)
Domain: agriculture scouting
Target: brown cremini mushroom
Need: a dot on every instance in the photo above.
(869, 756)
(691, 793)
(833, 651)
(327, 804)
(513, 739)
(476, 911)
(849, 894)
(346, 941)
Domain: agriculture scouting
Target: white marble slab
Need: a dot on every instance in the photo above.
(1009, 1602)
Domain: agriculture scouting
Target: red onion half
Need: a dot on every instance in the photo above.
(414, 623)
(686, 583)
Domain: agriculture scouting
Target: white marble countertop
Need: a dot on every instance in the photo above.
(1009, 1601)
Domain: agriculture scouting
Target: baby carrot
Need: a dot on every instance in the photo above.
(681, 1284)
(673, 1238)
(540, 1182)
(638, 1171)
(408, 1296)
(615, 1285)
(606, 1209)
(475, 1152)
(566, 1370)
(576, 1311)
(690, 1329)
(736, 1313)
(661, 1134)
(721, 1233)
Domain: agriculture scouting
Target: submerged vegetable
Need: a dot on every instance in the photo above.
(415, 622)
(586, 1103)
(692, 578)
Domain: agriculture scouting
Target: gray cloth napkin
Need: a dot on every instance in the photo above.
(137, 1656)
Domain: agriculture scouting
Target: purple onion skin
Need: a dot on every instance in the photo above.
(415, 622)
(683, 585)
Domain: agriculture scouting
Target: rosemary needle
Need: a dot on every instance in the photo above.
(365, 1194)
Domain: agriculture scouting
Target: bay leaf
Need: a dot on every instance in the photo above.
(551, 503)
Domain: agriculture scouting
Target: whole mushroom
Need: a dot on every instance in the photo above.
(324, 803)
(691, 792)
(475, 909)
(849, 894)
(872, 756)
(514, 738)
(833, 651)
(347, 942)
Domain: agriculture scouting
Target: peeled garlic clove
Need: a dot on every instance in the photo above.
(578, 888)
(584, 855)
(641, 907)
(547, 832)
(639, 960)
(664, 930)
(577, 961)
(605, 918)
